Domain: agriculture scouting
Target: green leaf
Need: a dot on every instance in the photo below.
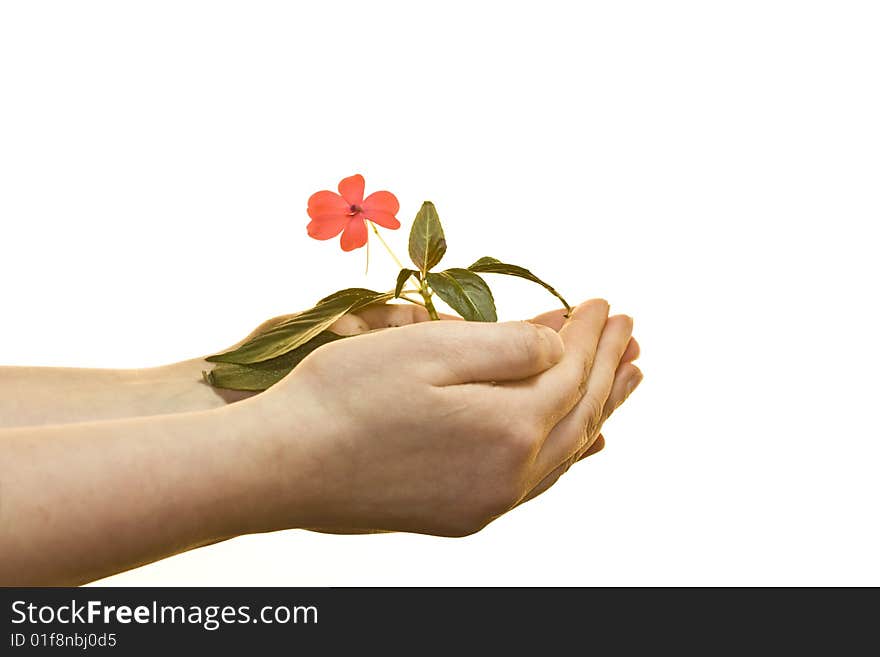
(347, 294)
(466, 293)
(493, 266)
(427, 243)
(402, 278)
(263, 375)
(298, 330)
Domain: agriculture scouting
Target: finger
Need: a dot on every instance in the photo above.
(347, 531)
(582, 423)
(349, 325)
(612, 345)
(597, 446)
(453, 352)
(387, 315)
(560, 388)
(633, 351)
(554, 476)
(626, 379)
(554, 319)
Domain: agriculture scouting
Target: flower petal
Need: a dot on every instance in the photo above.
(327, 226)
(382, 201)
(355, 235)
(326, 203)
(352, 189)
(384, 219)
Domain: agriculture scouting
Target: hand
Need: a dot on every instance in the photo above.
(440, 427)
(191, 370)
(393, 315)
(383, 316)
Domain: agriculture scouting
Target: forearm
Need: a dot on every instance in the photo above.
(80, 502)
(31, 396)
(35, 396)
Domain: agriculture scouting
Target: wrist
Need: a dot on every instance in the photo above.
(181, 388)
(276, 452)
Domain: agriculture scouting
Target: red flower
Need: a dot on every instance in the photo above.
(348, 212)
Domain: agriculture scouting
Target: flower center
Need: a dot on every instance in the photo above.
(354, 209)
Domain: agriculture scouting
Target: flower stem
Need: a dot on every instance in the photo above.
(367, 267)
(385, 244)
(423, 285)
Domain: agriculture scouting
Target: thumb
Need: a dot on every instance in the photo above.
(472, 352)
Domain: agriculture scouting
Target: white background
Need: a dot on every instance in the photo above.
(710, 168)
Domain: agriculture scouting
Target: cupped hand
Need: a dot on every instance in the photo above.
(393, 315)
(440, 427)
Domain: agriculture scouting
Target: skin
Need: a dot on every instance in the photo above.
(108, 470)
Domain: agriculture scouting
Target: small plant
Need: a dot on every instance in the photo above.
(266, 358)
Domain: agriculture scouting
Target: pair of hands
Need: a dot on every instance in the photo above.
(439, 427)
(433, 427)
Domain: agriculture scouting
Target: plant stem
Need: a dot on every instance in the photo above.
(426, 295)
(432, 311)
